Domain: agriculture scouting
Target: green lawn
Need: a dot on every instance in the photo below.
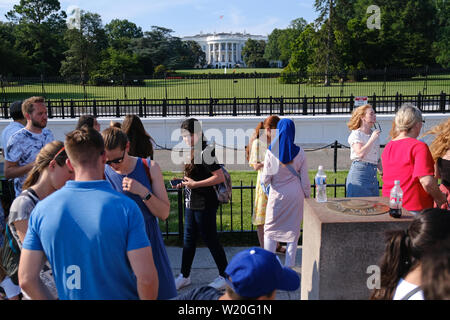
(240, 210)
(223, 88)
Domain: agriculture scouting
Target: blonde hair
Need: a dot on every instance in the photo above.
(441, 142)
(357, 114)
(406, 117)
(43, 159)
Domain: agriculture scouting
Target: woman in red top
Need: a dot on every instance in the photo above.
(409, 160)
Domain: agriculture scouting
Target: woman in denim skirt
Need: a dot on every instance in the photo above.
(365, 154)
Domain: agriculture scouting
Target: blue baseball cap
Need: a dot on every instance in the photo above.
(257, 272)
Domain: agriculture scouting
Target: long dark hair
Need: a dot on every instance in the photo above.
(141, 143)
(404, 248)
(192, 126)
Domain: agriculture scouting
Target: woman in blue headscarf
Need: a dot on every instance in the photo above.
(286, 171)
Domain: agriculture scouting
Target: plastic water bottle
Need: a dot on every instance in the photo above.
(396, 200)
(321, 185)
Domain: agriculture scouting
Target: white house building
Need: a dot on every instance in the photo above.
(223, 50)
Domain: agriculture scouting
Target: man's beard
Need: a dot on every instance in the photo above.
(37, 124)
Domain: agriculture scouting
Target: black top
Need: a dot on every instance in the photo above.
(444, 171)
(204, 197)
(202, 293)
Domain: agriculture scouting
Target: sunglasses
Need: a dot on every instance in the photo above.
(116, 161)
(62, 151)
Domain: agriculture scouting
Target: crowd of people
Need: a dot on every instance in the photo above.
(94, 200)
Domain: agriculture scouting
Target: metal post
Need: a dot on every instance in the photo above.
(335, 146)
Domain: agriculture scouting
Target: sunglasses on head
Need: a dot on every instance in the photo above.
(62, 151)
(117, 160)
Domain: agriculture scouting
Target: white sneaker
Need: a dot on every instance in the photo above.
(181, 281)
(218, 283)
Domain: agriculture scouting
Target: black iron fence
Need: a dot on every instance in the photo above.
(236, 106)
(236, 216)
(385, 82)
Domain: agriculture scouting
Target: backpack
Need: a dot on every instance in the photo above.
(10, 251)
(224, 189)
(10, 256)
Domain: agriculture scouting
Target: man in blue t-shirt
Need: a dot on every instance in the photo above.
(93, 236)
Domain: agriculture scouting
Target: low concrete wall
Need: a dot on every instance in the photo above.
(339, 248)
(235, 131)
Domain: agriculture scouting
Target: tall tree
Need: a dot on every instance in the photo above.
(18, 63)
(442, 44)
(86, 46)
(253, 53)
(39, 34)
(325, 9)
(120, 32)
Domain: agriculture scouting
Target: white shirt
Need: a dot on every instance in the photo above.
(372, 155)
(403, 288)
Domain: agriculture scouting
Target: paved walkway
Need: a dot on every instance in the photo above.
(204, 269)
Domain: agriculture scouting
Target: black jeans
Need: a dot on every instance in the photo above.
(203, 222)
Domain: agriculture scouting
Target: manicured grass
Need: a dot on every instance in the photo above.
(224, 88)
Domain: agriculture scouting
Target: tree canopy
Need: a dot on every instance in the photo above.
(412, 34)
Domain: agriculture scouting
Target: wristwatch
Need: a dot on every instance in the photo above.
(147, 197)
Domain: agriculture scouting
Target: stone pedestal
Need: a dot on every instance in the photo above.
(338, 249)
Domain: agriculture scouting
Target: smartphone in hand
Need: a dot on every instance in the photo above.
(175, 182)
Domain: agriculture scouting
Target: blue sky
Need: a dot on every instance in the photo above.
(189, 17)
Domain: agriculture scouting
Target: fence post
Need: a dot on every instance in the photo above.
(258, 107)
(442, 102)
(141, 114)
(305, 106)
(117, 108)
(49, 108)
(94, 108)
(62, 109)
(124, 86)
(314, 105)
(335, 146)
(281, 106)
(374, 102)
(145, 107)
(397, 102)
(164, 110)
(234, 107)
(328, 104)
(187, 107)
(419, 101)
(211, 109)
(72, 109)
(42, 86)
(352, 102)
(270, 105)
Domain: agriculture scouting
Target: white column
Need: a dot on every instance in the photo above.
(226, 52)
